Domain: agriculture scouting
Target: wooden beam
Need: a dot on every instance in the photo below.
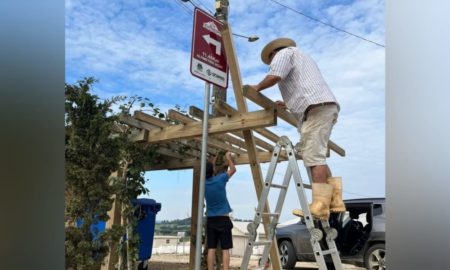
(169, 152)
(248, 136)
(227, 109)
(264, 145)
(197, 113)
(241, 159)
(161, 124)
(265, 102)
(114, 219)
(177, 116)
(136, 122)
(217, 125)
(194, 212)
(150, 119)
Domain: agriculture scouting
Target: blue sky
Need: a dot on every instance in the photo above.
(143, 48)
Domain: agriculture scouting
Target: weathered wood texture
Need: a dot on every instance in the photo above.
(259, 143)
(194, 212)
(217, 125)
(248, 136)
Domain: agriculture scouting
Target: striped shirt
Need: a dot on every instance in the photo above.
(301, 82)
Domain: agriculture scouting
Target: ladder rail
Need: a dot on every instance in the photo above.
(252, 228)
(292, 171)
(278, 208)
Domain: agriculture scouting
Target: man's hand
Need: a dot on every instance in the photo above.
(229, 156)
(232, 168)
(280, 103)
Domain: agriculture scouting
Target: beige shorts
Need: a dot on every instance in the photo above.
(315, 133)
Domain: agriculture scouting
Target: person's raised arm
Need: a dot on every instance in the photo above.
(268, 81)
(231, 167)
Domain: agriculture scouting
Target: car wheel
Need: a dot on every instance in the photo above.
(375, 257)
(287, 255)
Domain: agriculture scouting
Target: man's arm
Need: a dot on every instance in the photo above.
(231, 167)
(268, 81)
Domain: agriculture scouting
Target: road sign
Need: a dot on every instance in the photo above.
(208, 59)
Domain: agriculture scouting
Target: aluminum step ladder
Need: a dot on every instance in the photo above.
(316, 234)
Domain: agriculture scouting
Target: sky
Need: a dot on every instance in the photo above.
(143, 47)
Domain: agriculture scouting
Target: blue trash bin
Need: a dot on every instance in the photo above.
(146, 213)
(97, 227)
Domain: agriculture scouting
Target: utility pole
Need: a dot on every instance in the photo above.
(220, 93)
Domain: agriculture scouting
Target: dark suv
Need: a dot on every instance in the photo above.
(360, 241)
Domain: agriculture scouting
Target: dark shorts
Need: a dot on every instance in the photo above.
(218, 230)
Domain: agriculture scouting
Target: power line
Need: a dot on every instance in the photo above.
(186, 9)
(327, 24)
(250, 38)
(201, 3)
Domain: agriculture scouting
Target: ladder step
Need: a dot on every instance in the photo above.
(279, 186)
(271, 214)
(263, 243)
(329, 251)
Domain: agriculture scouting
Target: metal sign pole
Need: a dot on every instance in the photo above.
(201, 193)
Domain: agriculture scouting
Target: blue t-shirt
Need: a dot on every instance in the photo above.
(216, 195)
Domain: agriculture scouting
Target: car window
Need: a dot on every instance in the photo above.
(377, 209)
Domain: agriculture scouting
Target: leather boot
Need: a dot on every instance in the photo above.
(321, 198)
(337, 205)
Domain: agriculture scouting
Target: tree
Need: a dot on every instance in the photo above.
(97, 145)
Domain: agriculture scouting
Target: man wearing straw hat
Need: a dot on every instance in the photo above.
(308, 97)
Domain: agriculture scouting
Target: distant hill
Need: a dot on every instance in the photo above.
(172, 227)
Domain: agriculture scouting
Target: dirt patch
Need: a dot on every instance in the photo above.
(178, 261)
(181, 262)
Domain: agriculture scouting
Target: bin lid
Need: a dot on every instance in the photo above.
(151, 204)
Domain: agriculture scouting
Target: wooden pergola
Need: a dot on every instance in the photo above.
(235, 130)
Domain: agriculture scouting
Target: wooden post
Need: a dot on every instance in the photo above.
(194, 213)
(248, 136)
(114, 218)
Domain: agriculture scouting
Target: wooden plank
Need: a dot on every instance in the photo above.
(248, 136)
(169, 152)
(161, 123)
(136, 122)
(241, 159)
(139, 135)
(114, 219)
(227, 109)
(194, 212)
(265, 102)
(264, 145)
(221, 145)
(177, 116)
(197, 113)
(150, 119)
(217, 125)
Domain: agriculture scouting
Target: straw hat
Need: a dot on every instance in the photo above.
(275, 44)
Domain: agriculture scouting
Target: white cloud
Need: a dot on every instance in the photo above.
(143, 48)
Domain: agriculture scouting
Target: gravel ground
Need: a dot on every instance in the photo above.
(181, 262)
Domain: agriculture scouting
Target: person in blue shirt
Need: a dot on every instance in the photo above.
(219, 225)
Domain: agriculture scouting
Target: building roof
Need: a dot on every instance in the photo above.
(241, 227)
(165, 237)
